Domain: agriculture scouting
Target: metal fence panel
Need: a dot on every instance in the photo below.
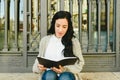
(96, 24)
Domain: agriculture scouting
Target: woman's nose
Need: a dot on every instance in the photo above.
(60, 29)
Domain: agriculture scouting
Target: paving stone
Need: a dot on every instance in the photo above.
(18, 76)
(100, 76)
(85, 76)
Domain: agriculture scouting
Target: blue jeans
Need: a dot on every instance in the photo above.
(51, 75)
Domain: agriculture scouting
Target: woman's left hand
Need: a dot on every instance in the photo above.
(58, 70)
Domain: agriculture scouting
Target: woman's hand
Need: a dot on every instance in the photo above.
(58, 70)
(41, 67)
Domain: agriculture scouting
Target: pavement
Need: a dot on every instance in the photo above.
(84, 75)
(101, 76)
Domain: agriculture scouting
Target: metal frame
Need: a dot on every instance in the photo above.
(16, 60)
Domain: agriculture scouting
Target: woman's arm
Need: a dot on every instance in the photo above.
(42, 47)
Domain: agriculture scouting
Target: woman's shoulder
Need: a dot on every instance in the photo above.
(75, 39)
(47, 37)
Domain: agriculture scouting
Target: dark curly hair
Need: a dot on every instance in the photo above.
(67, 38)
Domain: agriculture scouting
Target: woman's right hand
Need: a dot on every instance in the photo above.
(41, 67)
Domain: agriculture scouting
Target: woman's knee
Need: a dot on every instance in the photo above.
(49, 75)
(66, 76)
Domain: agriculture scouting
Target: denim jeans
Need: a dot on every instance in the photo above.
(51, 75)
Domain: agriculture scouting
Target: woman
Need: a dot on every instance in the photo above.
(59, 43)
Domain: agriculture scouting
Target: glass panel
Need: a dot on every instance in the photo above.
(2, 24)
(20, 28)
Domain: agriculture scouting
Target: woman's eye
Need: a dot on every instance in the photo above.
(64, 26)
(58, 26)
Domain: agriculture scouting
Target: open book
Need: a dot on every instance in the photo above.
(49, 63)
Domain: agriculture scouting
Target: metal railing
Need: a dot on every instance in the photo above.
(22, 25)
(24, 22)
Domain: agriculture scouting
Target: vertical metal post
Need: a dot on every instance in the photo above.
(117, 2)
(50, 12)
(16, 26)
(61, 4)
(43, 18)
(71, 6)
(30, 17)
(7, 17)
(25, 25)
(108, 22)
(99, 25)
(114, 25)
(89, 27)
(80, 20)
(37, 14)
(0, 13)
(30, 24)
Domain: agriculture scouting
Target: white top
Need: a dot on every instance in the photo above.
(54, 49)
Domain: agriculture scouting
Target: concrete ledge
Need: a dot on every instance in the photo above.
(85, 76)
(101, 76)
(18, 76)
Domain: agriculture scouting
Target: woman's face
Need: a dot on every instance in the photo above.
(61, 27)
